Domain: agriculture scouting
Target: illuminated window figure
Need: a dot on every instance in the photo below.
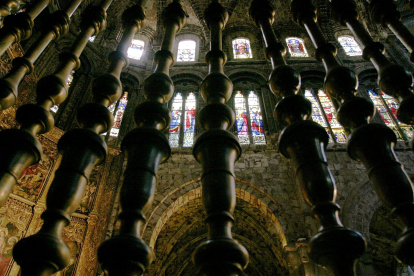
(350, 46)
(69, 82)
(323, 113)
(189, 127)
(92, 38)
(387, 108)
(186, 51)
(249, 120)
(179, 103)
(119, 114)
(241, 48)
(136, 49)
(296, 47)
(175, 126)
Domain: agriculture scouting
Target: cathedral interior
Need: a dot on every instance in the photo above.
(95, 89)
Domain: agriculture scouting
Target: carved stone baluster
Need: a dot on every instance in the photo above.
(145, 147)
(370, 143)
(217, 150)
(58, 26)
(82, 149)
(385, 12)
(304, 142)
(22, 148)
(19, 27)
(393, 79)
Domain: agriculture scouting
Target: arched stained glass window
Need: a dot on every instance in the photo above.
(256, 119)
(186, 51)
(176, 110)
(387, 108)
(350, 46)
(242, 124)
(136, 49)
(182, 128)
(189, 127)
(241, 48)
(249, 120)
(323, 113)
(119, 114)
(296, 47)
(69, 82)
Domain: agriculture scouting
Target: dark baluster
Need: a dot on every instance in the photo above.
(19, 27)
(393, 79)
(145, 147)
(58, 26)
(370, 143)
(82, 149)
(385, 12)
(217, 150)
(22, 148)
(304, 142)
(7, 7)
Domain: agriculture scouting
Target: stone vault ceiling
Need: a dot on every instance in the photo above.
(238, 11)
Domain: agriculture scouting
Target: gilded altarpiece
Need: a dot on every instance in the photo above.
(20, 217)
(26, 88)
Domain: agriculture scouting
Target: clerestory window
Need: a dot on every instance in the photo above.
(186, 51)
(136, 49)
(249, 119)
(296, 47)
(182, 128)
(323, 113)
(242, 48)
(350, 46)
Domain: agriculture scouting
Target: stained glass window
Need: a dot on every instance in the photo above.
(186, 50)
(176, 110)
(189, 127)
(350, 46)
(256, 119)
(249, 120)
(69, 82)
(241, 48)
(136, 49)
(242, 124)
(119, 114)
(323, 113)
(296, 47)
(387, 108)
(330, 113)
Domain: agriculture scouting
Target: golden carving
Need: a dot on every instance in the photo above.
(99, 217)
(75, 231)
(17, 212)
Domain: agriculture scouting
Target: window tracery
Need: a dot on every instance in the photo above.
(241, 48)
(186, 51)
(249, 120)
(387, 108)
(350, 46)
(189, 105)
(296, 47)
(323, 113)
(136, 49)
